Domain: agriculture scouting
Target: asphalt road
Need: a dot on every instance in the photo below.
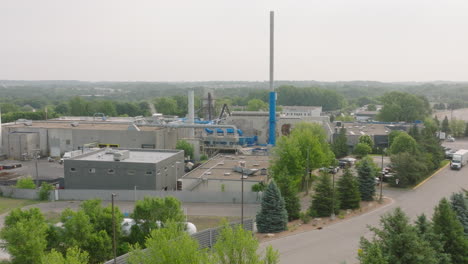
(338, 243)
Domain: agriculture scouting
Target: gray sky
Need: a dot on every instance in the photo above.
(198, 40)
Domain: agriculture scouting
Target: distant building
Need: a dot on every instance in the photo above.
(366, 115)
(301, 111)
(125, 169)
(377, 130)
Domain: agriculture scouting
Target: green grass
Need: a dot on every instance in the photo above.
(444, 162)
(8, 204)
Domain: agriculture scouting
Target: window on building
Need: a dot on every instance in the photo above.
(73, 169)
(67, 142)
(131, 172)
(110, 171)
(149, 173)
(92, 170)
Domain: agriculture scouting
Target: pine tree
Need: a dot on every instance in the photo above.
(399, 241)
(451, 233)
(366, 179)
(289, 193)
(460, 206)
(348, 191)
(324, 198)
(272, 217)
(445, 125)
(340, 145)
(425, 230)
(291, 200)
(437, 122)
(372, 255)
(414, 132)
(466, 130)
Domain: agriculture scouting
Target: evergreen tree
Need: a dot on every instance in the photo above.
(366, 177)
(466, 130)
(425, 231)
(460, 206)
(289, 193)
(340, 144)
(348, 191)
(399, 241)
(272, 217)
(437, 122)
(372, 255)
(325, 198)
(451, 233)
(291, 200)
(445, 125)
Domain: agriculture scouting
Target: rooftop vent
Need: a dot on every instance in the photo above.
(121, 155)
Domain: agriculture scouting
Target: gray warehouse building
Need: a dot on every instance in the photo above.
(125, 169)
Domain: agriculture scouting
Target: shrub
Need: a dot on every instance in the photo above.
(25, 183)
(44, 192)
(305, 217)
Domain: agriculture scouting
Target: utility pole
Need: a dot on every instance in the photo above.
(332, 217)
(114, 247)
(307, 173)
(381, 178)
(242, 198)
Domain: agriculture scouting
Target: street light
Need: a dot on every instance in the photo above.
(242, 193)
(36, 154)
(381, 176)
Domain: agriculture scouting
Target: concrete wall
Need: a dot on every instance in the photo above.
(184, 196)
(13, 192)
(19, 143)
(214, 185)
(131, 195)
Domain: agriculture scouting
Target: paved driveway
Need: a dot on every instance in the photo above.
(339, 242)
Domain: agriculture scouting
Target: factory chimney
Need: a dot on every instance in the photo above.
(272, 129)
(191, 112)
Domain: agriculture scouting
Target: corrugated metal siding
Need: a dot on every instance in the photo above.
(206, 238)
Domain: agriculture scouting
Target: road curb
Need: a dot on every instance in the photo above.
(428, 178)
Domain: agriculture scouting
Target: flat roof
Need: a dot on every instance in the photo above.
(136, 155)
(221, 167)
(103, 125)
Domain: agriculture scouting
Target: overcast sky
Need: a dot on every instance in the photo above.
(200, 40)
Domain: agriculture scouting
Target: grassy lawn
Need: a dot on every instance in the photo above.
(203, 222)
(8, 204)
(444, 162)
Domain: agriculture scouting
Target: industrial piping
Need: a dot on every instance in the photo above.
(272, 129)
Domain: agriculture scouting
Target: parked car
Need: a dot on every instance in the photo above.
(450, 139)
(331, 169)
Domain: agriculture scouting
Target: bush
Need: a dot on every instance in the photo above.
(44, 192)
(203, 157)
(25, 183)
(305, 217)
(258, 187)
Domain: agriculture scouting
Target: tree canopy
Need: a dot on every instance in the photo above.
(401, 106)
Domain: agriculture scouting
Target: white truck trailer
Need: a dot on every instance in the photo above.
(459, 159)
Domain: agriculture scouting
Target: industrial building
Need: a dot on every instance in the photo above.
(125, 169)
(378, 131)
(223, 173)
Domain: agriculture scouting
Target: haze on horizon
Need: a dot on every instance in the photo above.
(333, 40)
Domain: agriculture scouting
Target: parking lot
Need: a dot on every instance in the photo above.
(45, 170)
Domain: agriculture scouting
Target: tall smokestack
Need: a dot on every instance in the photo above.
(1, 145)
(272, 130)
(191, 112)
